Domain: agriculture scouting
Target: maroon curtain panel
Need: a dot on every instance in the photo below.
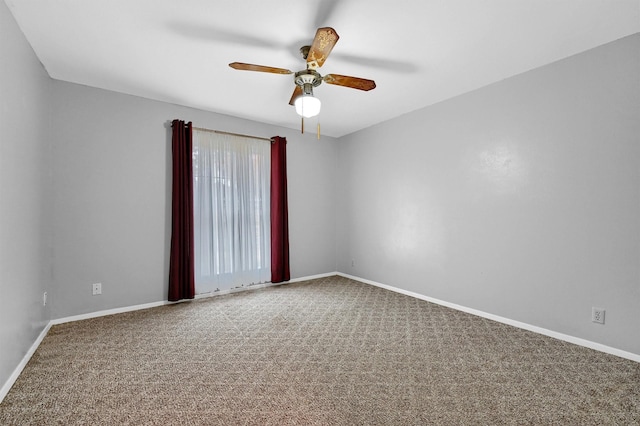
(181, 262)
(279, 212)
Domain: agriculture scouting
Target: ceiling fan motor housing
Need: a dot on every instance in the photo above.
(307, 80)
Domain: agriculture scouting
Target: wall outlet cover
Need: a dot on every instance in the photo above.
(597, 315)
(97, 288)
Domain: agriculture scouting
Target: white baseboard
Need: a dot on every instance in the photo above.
(313, 277)
(14, 376)
(560, 336)
(108, 312)
(262, 285)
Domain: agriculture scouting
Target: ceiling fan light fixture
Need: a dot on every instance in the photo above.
(307, 106)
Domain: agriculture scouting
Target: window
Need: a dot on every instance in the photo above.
(231, 211)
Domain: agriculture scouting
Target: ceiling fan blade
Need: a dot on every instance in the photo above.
(353, 82)
(323, 42)
(251, 67)
(296, 92)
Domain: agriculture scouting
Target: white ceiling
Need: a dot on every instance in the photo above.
(419, 52)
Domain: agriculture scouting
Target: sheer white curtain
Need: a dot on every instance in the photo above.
(231, 178)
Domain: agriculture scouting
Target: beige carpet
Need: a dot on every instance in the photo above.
(325, 352)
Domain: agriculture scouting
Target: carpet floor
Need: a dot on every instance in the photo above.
(330, 351)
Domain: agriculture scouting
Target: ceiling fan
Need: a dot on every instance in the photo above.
(316, 54)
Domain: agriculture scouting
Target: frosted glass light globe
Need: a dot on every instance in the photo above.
(307, 106)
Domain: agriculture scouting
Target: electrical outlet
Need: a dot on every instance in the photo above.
(44, 299)
(97, 288)
(597, 315)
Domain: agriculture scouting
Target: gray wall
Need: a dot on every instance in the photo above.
(521, 199)
(25, 195)
(111, 210)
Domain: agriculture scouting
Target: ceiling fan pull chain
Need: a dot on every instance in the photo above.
(302, 130)
(318, 132)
